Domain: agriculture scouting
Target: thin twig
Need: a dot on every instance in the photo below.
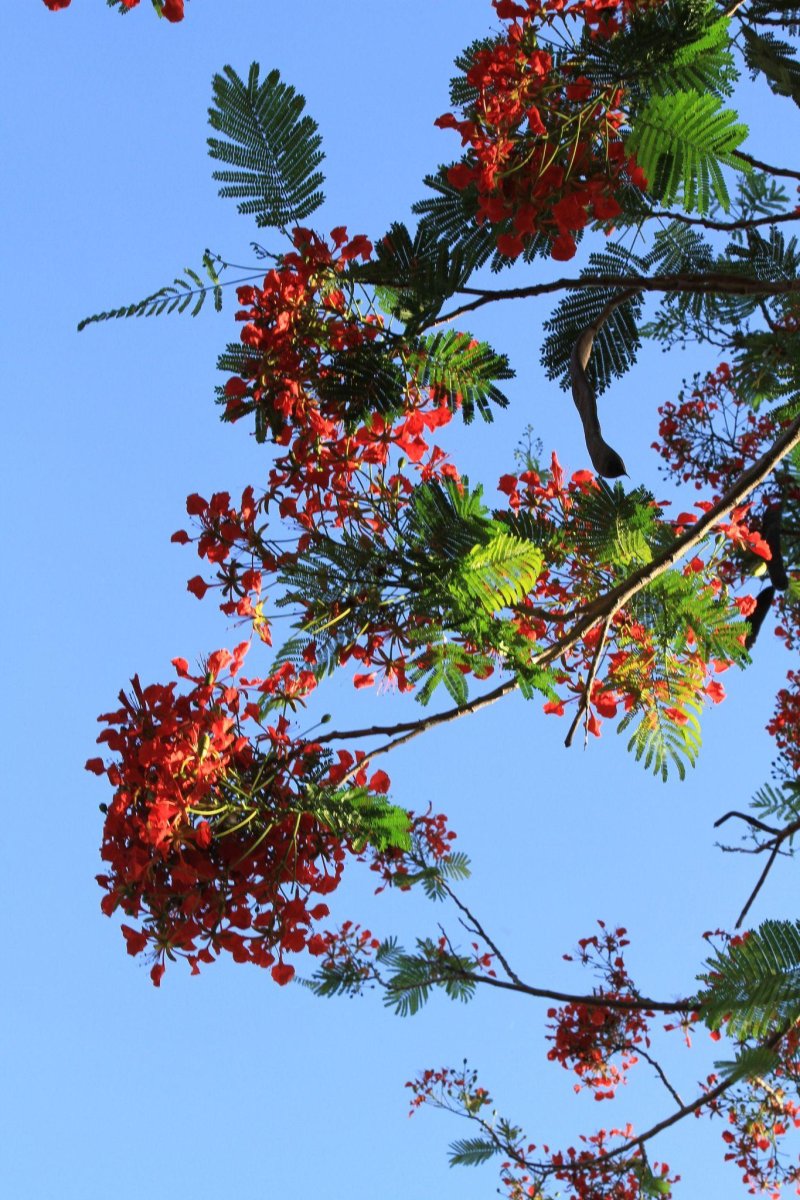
(659, 1070)
(481, 932)
(761, 881)
(754, 821)
(583, 704)
(596, 1000)
(742, 223)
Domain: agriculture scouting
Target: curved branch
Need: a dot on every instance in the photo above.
(706, 282)
(728, 226)
(786, 172)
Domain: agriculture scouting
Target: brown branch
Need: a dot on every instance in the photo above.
(706, 282)
(623, 1004)
(743, 223)
(419, 726)
(754, 821)
(762, 166)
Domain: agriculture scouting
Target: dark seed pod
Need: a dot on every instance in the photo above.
(756, 618)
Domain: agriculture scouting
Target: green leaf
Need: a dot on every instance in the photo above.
(464, 372)
(775, 59)
(617, 341)
(755, 983)
(499, 573)
(414, 277)
(173, 297)
(752, 1061)
(681, 141)
(272, 149)
(471, 1152)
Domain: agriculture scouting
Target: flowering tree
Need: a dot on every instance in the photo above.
(227, 826)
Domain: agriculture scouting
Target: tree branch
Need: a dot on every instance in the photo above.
(743, 223)
(786, 172)
(706, 282)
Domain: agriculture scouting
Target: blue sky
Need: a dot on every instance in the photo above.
(226, 1083)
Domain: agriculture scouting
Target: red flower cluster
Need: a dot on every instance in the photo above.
(586, 1037)
(450, 1089)
(301, 328)
(634, 674)
(545, 151)
(210, 838)
(711, 434)
(785, 723)
(759, 1117)
(430, 844)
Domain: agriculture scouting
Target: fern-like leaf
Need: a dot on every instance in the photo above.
(272, 149)
(415, 276)
(754, 984)
(617, 341)
(681, 141)
(462, 371)
(471, 1152)
(173, 297)
(499, 573)
(768, 56)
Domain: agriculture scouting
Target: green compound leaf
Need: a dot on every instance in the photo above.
(272, 149)
(185, 290)
(681, 141)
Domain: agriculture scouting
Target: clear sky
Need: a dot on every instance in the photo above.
(225, 1085)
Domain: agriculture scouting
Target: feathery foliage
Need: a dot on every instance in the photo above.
(173, 297)
(616, 342)
(271, 149)
(414, 277)
(461, 370)
(769, 56)
(681, 141)
(754, 983)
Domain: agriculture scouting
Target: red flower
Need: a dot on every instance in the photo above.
(135, 939)
(563, 247)
(55, 5)
(173, 10)
(197, 586)
(510, 245)
(282, 973)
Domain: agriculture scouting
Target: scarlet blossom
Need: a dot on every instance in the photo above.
(362, 681)
(282, 973)
(55, 5)
(197, 586)
(563, 247)
(510, 244)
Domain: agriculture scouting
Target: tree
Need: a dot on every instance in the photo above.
(228, 827)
